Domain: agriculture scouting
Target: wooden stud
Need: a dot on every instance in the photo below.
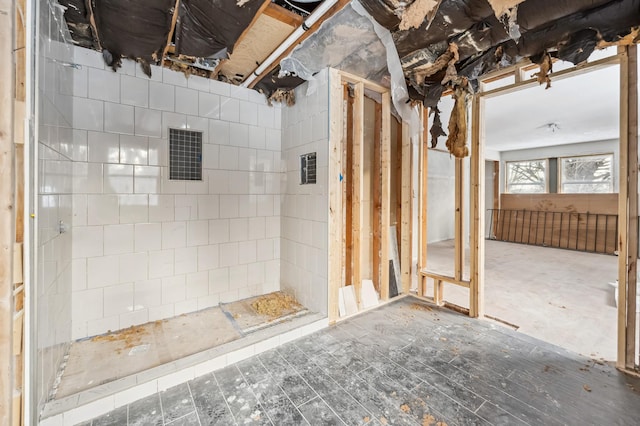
(628, 207)
(632, 131)
(333, 10)
(335, 192)
(445, 278)
(174, 20)
(405, 221)
(283, 15)
(358, 187)
(94, 27)
(7, 211)
(623, 209)
(496, 194)
(376, 198)
(476, 289)
(385, 201)
(423, 201)
(459, 220)
(20, 51)
(438, 292)
(348, 190)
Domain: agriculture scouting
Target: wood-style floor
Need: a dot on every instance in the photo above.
(404, 363)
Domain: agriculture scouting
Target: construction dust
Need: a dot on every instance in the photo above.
(419, 307)
(428, 420)
(131, 336)
(405, 408)
(274, 305)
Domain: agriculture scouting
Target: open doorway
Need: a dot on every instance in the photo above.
(551, 188)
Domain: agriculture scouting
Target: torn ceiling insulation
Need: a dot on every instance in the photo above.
(139, 30)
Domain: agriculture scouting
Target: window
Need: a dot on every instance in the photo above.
(587, 174)
(527, 176)
(185, 155)
(308, 168)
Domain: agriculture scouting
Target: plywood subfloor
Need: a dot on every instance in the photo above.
(405, 363)
(103, 359)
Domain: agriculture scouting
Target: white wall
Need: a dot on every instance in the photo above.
(440, 196)
(304, 254)
(54, 133)
(146, 247)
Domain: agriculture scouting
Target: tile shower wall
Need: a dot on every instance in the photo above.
(304, 256)
(53, 268)
(146, 247)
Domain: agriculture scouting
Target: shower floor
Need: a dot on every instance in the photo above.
(102, 359)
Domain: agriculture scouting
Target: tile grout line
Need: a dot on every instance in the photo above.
(195, 409)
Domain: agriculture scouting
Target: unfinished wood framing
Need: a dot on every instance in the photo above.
(476, 293)
(348, 144)
(405, 221)
(283, 15)
(385, 198)
(357, 179)
(335, 192)
(627, 207)
(422, 200)
(174, 20)
(7, 213)
(458, 259)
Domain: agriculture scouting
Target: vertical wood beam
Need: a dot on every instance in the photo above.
(7, 211)
(623, 209)
(627, 207)
(385, 194)
(358, 186)
(376, 198)
(422, 202)
(458, 220)
(335, 192)
(476, 282)
(405, 220)
(632, 254)
(348, 188)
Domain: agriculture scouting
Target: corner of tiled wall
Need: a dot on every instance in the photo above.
(304, 215)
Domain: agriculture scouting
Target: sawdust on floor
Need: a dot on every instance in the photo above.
(131, 336)
(419, 307)
(274, 305)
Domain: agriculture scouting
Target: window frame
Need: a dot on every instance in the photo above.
(546, 175)
(612, 172)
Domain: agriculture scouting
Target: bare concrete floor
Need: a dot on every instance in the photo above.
(103, 359)
(559, 296)
(405, 363)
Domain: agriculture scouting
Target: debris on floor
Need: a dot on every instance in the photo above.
(131, 336)
(275, 304)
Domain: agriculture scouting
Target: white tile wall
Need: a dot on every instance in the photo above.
(304, 215)
(147, 247)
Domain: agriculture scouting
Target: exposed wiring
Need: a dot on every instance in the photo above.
(299, 9)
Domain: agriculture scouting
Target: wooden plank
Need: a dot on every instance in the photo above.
(332, 11)
(398, 184)
(423, 179)
(358, 186)
(623, 209)
(19, 182)
(283, 15)
(20, 51)
(7, 220)
(556, 76)
(581, 203)
(458, 256)
(632, 190)
(348, 173)
(385, 195)
(354, 79)
(254, 47)
(496, 195)
(438, 291)
(335, 193)
(174, 20)
(405, 222)
(446, 278)
(376, 198)
(476, 289)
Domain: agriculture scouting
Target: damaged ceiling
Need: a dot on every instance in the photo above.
(442, 44)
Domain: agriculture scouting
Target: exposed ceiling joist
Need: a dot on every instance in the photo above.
(283, 15)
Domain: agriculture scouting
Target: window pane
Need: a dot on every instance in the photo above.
(526, 176)
(587, 174)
